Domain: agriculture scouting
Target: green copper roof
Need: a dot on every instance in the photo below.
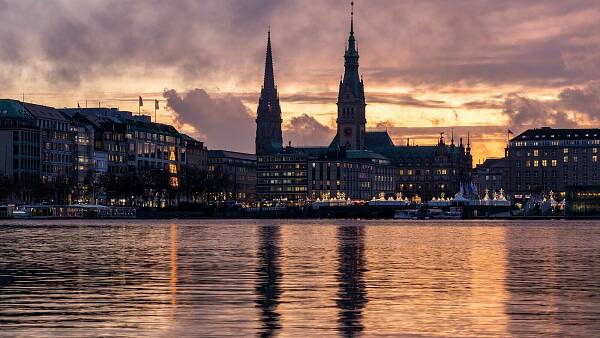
(11, 109)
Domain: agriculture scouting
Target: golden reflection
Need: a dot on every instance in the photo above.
(310, 284)
(173, 280)
(429, 279)
(487, 306)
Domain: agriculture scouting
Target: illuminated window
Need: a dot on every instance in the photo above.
(594, 158)
(528, 163)
(554, 163)
(544, 163)
(566, 159)
(565, 150)
(536, 152)
(536, 163)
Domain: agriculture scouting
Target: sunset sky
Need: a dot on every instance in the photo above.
(428, 66)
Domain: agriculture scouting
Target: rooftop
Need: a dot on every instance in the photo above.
(231, 154)
(547, 133)
(14, 109)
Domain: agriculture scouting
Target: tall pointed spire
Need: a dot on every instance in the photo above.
(351, 121)
(351, 40)
(269, 81)
(351, 76)
(268, 115)
(352, 18)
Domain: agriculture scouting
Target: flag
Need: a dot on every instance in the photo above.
(510, 132)
(156, 105)
(141, 102)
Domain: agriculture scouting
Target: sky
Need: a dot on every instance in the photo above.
(477, 67)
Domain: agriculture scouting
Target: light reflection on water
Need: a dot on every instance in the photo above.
(298, 278)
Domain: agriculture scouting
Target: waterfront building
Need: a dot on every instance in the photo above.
(57, 143)
(282, 176)
(354, 174)
(110, 137)
(196, 153)
(423, 171)
(239, 170)
(544, 159)
(19, 142)
(491, 175)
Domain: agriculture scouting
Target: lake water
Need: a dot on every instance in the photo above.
(299, 278)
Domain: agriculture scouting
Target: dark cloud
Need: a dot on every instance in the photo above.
(422, 43)
(305, 130)
(222, 122)
(481, 104)
(585, 100)
(524, 112)
(573, 107)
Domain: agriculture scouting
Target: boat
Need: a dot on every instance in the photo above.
(406, 214)
(451, 215)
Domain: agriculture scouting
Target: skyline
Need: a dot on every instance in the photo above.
(480, 67)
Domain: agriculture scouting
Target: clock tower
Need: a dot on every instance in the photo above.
(351, 120)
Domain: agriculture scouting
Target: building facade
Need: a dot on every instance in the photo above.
(19, 142)
(240, 172)
(282, 176)
(540, 160)
(491, 175)
(354, 174)
(57, 143)
(196, 153)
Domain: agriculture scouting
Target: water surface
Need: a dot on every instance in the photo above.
(298, 278)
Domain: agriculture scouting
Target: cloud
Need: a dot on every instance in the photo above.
(305, 130)
(223, 122)
(410, 42)
(585, 100)
(572, 108)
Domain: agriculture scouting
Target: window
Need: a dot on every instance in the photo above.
(594, 158)
(536, 163)
(544, 163)
(554, 163)
(565, 150)
(528, 163)
(536, 152)
(566, 159)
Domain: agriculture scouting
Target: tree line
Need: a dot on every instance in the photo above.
(132, 188)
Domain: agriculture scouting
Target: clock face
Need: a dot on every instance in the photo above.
(348, 131)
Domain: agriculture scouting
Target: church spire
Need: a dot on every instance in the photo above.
(351, 77)
(352, 18)
(351, 39)
(268, 115)
(269, 81)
